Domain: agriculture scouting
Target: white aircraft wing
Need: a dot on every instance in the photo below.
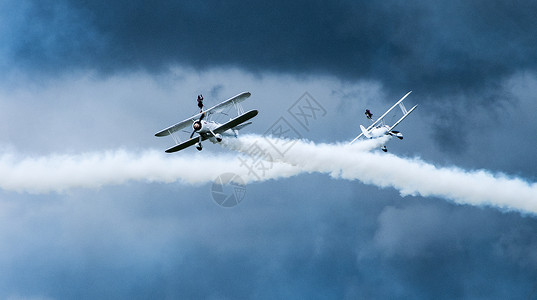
(228, 125)
(382, 117)
(178, 126)
(359, 136)
(235, 122)
(186, 144)
(215, 109)
(231, 101)
(388, 111)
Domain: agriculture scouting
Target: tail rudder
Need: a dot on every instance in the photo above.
(365, 132)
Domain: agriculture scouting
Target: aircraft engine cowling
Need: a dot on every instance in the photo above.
(197, 126)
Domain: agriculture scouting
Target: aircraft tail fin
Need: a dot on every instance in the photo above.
(365, 132)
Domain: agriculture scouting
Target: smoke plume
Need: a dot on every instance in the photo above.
(264, 158)
(411, 176)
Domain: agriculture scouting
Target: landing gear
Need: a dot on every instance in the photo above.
(383, 148)
(199, 146)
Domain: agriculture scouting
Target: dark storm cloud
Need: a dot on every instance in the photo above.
(457, 52)
(435, 47)
(154, 242)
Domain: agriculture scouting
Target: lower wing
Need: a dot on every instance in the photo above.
(237, 121)
(185, 144)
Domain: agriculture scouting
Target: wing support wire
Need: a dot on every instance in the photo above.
(175, 138)
(403, 108)
(403, 117)
(238, 107)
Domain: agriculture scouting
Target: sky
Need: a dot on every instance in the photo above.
(92, 207)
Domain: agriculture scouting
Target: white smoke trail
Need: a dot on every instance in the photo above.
(279, 159)
(93, 170)
(59, 173)
(409, 176)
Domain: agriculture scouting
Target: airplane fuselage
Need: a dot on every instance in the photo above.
(379, 131)
(207, 129)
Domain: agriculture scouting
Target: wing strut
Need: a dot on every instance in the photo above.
(403, 117)
(382, 117)
(175, 138)
(238, 107)
(403, 108)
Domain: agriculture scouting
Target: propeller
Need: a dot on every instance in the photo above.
(198, 122)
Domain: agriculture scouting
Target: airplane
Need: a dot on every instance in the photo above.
(379, 128)
(208, 129)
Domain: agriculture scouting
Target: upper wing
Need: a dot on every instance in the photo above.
(178, 126)
(382, 117)
(231, 101)
(185, 144)
(238, 120)
(215, 109)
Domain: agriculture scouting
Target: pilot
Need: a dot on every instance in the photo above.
(200, 102)
(368, 114)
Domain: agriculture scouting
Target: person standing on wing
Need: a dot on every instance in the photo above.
(200, 102)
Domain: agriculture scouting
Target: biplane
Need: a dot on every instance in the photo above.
(379, 129)
(205, 128)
